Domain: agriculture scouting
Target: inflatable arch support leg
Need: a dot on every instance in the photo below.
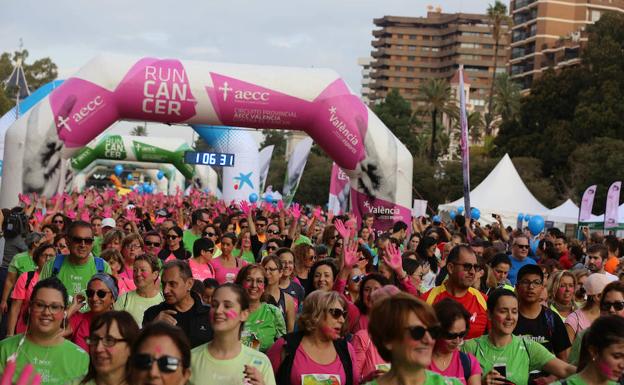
(111, 88)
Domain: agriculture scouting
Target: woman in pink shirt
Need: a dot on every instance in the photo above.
(226, 265)
(317, 353)
(200, 264)
(131, 247)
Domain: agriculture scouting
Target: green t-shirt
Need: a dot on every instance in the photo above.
(136, 305)
(575, 352)
(205, 369)
(575, 379)
(431, 379)
(22, 263)
(74, 277)
(97, 246)
(57, 365)
(189, 240)
(521, 356)
(247, 255)
(263, 327)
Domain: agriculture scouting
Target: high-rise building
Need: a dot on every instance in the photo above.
(551, 34)
(365, 63)
(410, 50)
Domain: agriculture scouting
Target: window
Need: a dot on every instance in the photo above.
(435, 49)
(594, 15)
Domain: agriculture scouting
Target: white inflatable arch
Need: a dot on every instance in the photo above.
(111, 88)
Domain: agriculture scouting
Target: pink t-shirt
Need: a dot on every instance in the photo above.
(578, 321)
(307, 371)
(455, 368)
(125, 285)
(80, 323)
(367, 358)
(126, 273)
(21, 292)
(226, 274)
(201, 271)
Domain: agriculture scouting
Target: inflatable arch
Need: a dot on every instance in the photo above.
(111, 88)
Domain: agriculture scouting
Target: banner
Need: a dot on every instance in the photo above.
(587, 203)
(613, 204)
(296, 164)
(265, 161)
(419, 209)
(465, 144)
(339, 190)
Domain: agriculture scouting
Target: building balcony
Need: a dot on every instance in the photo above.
(518, 4)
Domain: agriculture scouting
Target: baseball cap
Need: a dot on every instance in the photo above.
(595, 283)
(109, 222)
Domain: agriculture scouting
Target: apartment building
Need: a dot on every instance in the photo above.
(365, 63)
(410, 50)
(551, 34)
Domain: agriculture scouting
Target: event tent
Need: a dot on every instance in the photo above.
(502, 192)
(567, 212)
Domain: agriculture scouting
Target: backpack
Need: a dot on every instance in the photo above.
(29, 276)
(293, 340)
(58, 262)
(466, 365)
(16, 223)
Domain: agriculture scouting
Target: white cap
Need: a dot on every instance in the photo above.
(108, 222)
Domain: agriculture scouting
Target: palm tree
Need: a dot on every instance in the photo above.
(435, 93)
(497, 14)
(475, 124)
(139, 131)
(506, 98)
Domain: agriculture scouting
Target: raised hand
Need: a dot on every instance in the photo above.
(71, 214)
(24, 198)
(280, 205)
(342, 230)
(392, 257)
(131, 216)
(245, 207)
(81, 202)
(84, 216)
(317, 213)
(107, 212)
(350, 255)
(38, 216)
(295, 210)
(26, 376)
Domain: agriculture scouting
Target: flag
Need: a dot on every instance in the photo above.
(296, 164)
(265, 161)
(465, 148)
(587, 203)
(339, 191)
(611, 218)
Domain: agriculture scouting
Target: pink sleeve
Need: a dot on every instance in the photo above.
(275, 354)
(19, 291)
(409, 287)
(356, 372)
(171, 257)
(360, 343)
(573, 321)
(295, 279)
(340, 286)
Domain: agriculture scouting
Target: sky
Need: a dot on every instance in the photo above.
(315, 33)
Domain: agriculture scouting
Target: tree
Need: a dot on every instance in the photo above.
(397, 115)
(435, 93)
(314, 186)
(276, 138)
(506, 98)
(497, 14)
(139, 131)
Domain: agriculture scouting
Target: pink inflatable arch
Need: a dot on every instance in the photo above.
(112, 88)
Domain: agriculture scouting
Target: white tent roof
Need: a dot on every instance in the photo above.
(567, 212)
(502, 192)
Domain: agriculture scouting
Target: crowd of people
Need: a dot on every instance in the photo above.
(104, 289)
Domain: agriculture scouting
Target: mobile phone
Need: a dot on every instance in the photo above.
(501, 369)
(494, 216)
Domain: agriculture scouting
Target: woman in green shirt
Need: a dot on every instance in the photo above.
(243, 247)
(602, 355)
(266, 322)
(505, 357)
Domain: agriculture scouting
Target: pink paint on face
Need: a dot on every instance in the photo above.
(231, 314)
(329, 332)
(144, 274)
(158, 349)
(606, 370)
(246, 285)
(261, 286)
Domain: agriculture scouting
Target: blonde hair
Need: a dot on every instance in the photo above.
(554, 283)
(315, 308)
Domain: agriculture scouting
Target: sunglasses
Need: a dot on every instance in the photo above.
(469, 266)
(274, 232)
(60, 221)
(454, 336)
(85, 241)
(338, 244)
(166, 364)
(172, 237)
(271, 248)
(522, 246)
(358, 278)
(606, 306)
(418, 332)
(209, 234)
(152, 244)
(100, 293)
(337, 313)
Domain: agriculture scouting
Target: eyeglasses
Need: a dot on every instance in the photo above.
(522, 246)
(107, 341)
(100, 293)
(172, 237)
(84, 241)
(418, 332)
(152, 244)
(40, 307)
(338, 244)
(606, 306)
(134, 247)
(527, 283)
(209, 234)
(166, 364)
(454, 336)
(337, 313)
(258, 282)
(469, 266)
(272, 269)
(61, 246)
(58, 221)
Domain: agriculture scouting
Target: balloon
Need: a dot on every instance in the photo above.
(452, 214)
(118, 169)
(527, 217)
(436, 219)
(520, 216)
(536, 224)
(475, 213)
(460, 210)
(253, 197)
(268, 198)
(160, 175)
(129, 176)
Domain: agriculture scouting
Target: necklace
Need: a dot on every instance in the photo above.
(444, 363)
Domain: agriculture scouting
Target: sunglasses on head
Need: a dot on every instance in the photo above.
(86, 241)
(606, 306)
(337, 313)
(418, 332)
(166, 364)
(100, 293)
(150, 244)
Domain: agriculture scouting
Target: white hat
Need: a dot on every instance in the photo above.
(109, 222)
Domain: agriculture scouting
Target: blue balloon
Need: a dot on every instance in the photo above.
(268, 198)
(520, 216)
(453, 214)
(436, 219)
(253, 197)
(160, 175)
(129, 176)
(460, 210)
(475, 213)
(527, 217)
(118, 169)
(536, 224)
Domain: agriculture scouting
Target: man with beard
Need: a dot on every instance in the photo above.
(596, 257)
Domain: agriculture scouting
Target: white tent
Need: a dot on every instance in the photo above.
(567, 212)
(502, 192)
